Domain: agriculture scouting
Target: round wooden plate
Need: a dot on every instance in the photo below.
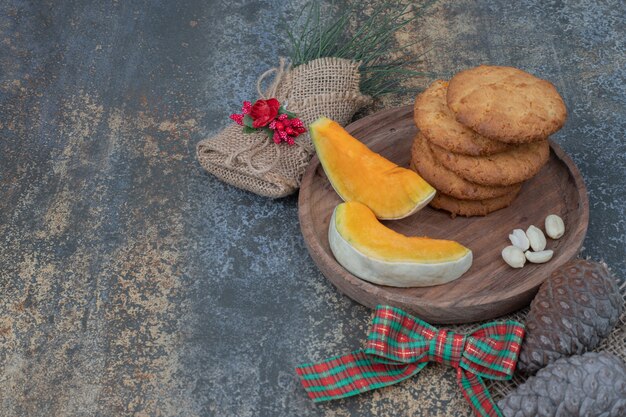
(490, 288)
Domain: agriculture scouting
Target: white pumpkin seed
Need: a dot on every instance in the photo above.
(513, 256)
(536, 238)
(518, 238)
(539, 257)
(555, 228)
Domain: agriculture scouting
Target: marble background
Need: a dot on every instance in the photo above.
(132, 283)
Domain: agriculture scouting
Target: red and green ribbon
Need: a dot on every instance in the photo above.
(400, 345)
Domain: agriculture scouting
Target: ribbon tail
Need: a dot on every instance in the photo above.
(351, 374)
(476, 393)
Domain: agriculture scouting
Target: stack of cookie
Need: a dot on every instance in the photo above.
(482, 135)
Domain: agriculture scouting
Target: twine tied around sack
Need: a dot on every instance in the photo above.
(280, 71)
(260, 145)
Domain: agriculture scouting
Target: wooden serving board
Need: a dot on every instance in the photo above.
(490, 288)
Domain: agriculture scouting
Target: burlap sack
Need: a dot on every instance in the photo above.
(323, 87)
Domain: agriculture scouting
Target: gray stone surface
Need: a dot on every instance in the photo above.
(132, 283)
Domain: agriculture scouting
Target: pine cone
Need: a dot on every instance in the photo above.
(593, 384)
(573, 311)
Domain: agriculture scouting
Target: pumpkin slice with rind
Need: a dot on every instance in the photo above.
(375, 253)
(359, 174)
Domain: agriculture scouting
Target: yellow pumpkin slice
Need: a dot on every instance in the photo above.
(358, 174)
(375, 253)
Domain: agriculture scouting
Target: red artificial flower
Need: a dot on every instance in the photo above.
(263, 112)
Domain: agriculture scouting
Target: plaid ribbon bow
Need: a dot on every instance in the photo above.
(399, 346)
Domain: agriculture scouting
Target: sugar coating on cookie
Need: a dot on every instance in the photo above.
(506, 168)
(506, 104)
(473, 207)
(446, 181)
(438, 123)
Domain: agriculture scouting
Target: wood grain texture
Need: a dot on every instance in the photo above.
(490, 288)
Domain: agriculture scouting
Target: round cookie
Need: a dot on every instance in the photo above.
(505, 168)
(446, 181)
(473, 207)
(506, 104)
(437, 122)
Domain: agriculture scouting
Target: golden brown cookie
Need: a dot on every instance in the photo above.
(437, 122)
(473, 207)
(506, 104)
(505, 168)
(446, 181)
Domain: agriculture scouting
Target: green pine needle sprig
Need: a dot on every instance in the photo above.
(372, 43)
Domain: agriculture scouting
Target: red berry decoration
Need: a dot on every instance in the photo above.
(237, 118)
